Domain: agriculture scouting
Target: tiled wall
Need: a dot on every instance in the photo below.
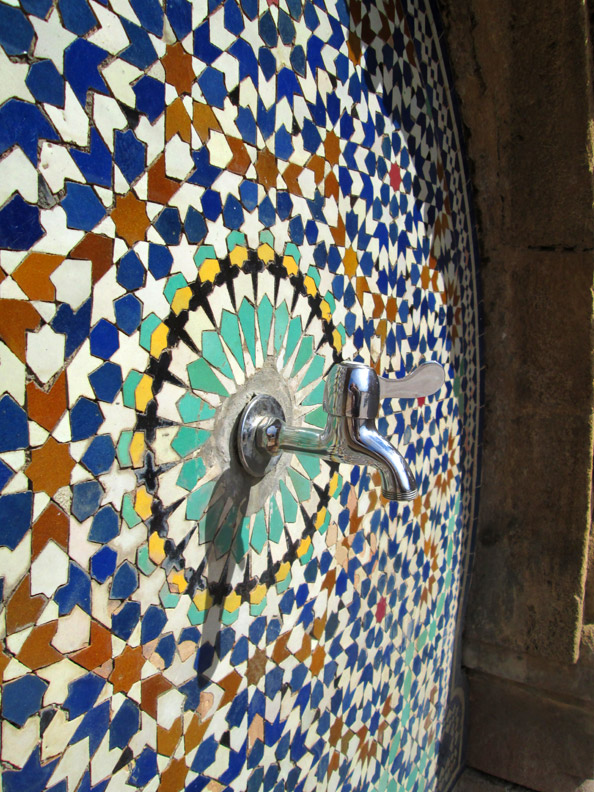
(199, 202)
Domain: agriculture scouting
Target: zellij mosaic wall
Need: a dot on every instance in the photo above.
(199, 201)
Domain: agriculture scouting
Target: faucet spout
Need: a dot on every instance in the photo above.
(398, 481)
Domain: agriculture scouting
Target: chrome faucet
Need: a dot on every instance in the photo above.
(352, 398)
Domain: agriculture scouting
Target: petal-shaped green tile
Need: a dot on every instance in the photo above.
(265, 323)
(259, 533)
(203, 378)
(301, 484)
(293, 336)
(311, 464)
(192, 408)
(231, 336)
(226, 532)
(281, 320)
(314, 274)
(305, 353)
(235, 238)
(209, 524)
(293, 251)
(145, 564)
(174, 283)
(147, 328)
(123, 449)
(314, 372)
(247, 317)
(289, 503)
(204, 252)
(275, 521)
(315, 397)
(188, 439)
(128, 511)
(198, 500)
(129, 388)
(317, 417)
(191, 471)
(213, 351)
(168, 600)
(242, 540)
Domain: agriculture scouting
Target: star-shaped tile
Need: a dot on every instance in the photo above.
(52, 39)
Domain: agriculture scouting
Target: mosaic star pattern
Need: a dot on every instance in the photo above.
(198, 202)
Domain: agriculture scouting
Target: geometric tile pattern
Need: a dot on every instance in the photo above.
(200, 201)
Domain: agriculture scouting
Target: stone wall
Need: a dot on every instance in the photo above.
(523, 74)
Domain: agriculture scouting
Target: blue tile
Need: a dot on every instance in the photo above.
(46, 83)
(233, 18)
(248, 63)
(85, 419)
(23, 124)
(103, 564)
(246, 125)
(205, 755)
(16, 32)
(150, 15)
(205, 173)
(211, 204)
(74, 324)
(99, 456)
(86, 497)
(6, 474)
(130, 272)
(128, 312)
(159, 261)
(203, 46)
(33, 777)
(38, 8)
(141, 52)
(96, 163)
(104, 339)
(266, 212)
(82, 694)
(287, 85)
(124, 725)
(130, 154)
(212, 85)
(14, 429)
(267, 29)
(106, 381)
(298, 61)
(166, 648)
(249, 195)
(286, 28)
(194, 226)
(144, 769)
(266, 119)
(232, 213)
(125, 581)
(168, 225)
(124, 621)
(82, 206)
(15, 517)
(105, 525)
(77, 16)
(20, 228)
(284, 205)
(267, 62)
(179, 13)
(94, 726)
(81, 68)
(22, 698)
(153, 622)
(150, 96)
(76, 592)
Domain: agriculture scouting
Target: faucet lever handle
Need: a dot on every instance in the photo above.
(424, 380)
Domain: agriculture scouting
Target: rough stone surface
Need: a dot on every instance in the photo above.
(471, 781)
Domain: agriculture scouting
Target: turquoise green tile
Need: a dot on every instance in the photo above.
(188, 439)
(208, 525)
(198, 500)
(305, 353)
(235, 238)
(196, 616)
(229, 618)
(174, 283)
(310, 463)
(292, 250)
(203, 378)
(145, 564)
(314, 372)
(265, 323)
(301, 484)
(329, 297)
(212, 350)
(191, 471)
(342, 333)
(242, 540)
(317, 417)
(314, 274)
(259, 533)
(147, 328)
(168, 599)
(129, 388)
(256, 610)
(123, 449)
(224, 535)
(324, 526)
(409, 654)
(281, 320)
(275, 522)
(290, 507)
(266, 238)
(306, 557)
(192, 408)
(284, 584)
(247, 317)
(394, 747)
(128, 511)
(293, 336)
(231, 336)
(204, 252)
(316, 396)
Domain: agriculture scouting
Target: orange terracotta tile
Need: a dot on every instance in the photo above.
(98, 652)
(126, 669)
(4, 661)
(46, 408)
(195, 733)
(204, 120)
(50, 467)
(37, 652)
(241, 159)
(255, 731)
(173, 777)
(319, 625)
(177, 121)
(305, 650)
(350, 262)
(391, 308)
(317, 165)
(23, 609)
(33, 275)
(256, 667)
(266, 168)
(151, 689)
(333, 766)
(335, 732)
(16, 317)
(339, 233)
(280, 651)
(168, 739)
(344, 743)
(130, 218)
(96, 249)
(317, 660)
(230, 685)
(331, 187)
(329, 581)
(178, 68)
(290, 175)
(361, 286)
(160, 187)
(332, 148)
(51, 524)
